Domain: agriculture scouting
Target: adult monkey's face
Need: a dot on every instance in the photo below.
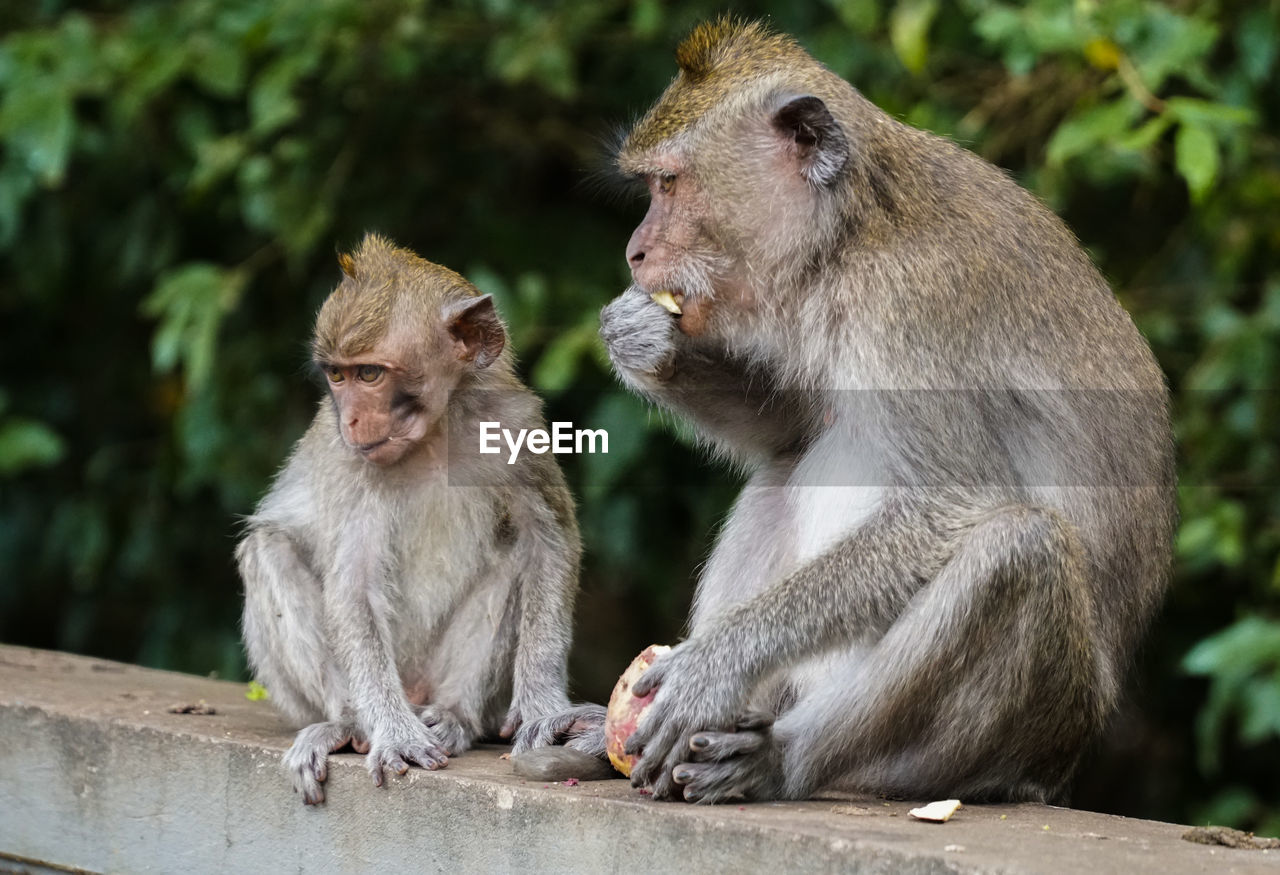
(740, 161)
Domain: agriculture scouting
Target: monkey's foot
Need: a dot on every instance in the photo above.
(306, 760)
(745, 764)
(396, 747)
(446, 727)
(580, 727)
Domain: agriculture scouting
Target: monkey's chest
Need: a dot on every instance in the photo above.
(451, 581)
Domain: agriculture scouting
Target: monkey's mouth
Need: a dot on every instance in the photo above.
(371, 447)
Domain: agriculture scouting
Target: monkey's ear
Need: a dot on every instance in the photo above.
(819, 144)
(348, 264)
(478, 331)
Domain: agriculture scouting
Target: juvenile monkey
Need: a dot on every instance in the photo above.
(386, 605)
(958, 519)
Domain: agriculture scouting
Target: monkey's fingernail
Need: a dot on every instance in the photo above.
(698, 742)
(668, 301)
(681, 776)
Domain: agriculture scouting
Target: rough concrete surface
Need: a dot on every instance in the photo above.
(96, 774)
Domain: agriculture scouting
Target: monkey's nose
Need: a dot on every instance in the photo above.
(634, 258)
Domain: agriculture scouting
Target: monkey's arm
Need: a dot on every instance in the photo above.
(357, 617)
(854, 589)
(737, 407)
(547, 552)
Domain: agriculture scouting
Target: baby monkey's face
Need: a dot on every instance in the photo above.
(385, 407)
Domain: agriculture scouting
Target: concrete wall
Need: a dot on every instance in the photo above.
(96, 774)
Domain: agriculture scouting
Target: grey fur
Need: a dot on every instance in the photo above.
(958, 519)
(362, 582)
(580, 727)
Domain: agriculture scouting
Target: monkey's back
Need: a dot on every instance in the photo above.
(1070, 404)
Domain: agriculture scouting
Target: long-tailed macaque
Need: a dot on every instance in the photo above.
(958, 519)
(387, 606)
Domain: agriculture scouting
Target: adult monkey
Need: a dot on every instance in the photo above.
(958, 519)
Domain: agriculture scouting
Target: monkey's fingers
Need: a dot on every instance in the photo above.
(428, 756)
(651, 679)
(513, 722)
(754, 721)
(311, 786)
(664, 785)
(712, 747)
(306, 763)
(709, 783)
(654, 750)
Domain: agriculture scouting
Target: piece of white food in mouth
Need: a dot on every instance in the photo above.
(670, 302)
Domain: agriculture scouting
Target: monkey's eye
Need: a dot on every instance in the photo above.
(666, 183)
(368, 373)
(334, 374)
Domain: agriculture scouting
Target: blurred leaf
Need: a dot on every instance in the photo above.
(25, 444)
(625, 418)
(271, 101)
(1197, 159)
(860, 16)
(1146, 134)
(256, 692)
(1206, 113)
(1089, 129)
(190, 303)
(218, 65)
(1256, 37)
(1168, 43)
(1218, 536)
(1243, 662)
(37, 123)
(1232, 804)
(646, 17)
(909, 31)
(558, 365)
(1236, 651)
(1102, 53)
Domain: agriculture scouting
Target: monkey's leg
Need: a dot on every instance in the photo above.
(988, 684)
(547, 556)
(355, 599)
(853, 591)
(283, 625)
(306, 758)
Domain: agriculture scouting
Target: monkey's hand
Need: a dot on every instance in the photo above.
(395, 746)
(446, 727)
(639, 334)
(580, 727)
(306, 760)
(745, 764)
(695, 695)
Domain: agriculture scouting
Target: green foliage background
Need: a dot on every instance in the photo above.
(175, 178)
